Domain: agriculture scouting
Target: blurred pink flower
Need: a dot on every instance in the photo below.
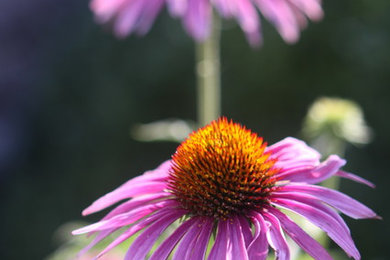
(225, 179)
(288, 16)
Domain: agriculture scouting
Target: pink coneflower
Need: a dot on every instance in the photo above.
(288, 16)
(224, 179)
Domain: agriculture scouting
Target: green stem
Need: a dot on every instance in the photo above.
(208, 76)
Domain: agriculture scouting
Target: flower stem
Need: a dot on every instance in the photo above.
(208, 75)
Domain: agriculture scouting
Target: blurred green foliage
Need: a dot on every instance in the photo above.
(94, 88)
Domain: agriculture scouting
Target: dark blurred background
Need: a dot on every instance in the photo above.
(70, 91)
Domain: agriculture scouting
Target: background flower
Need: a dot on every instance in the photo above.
(224, 178)
(288, 16)
(341, 118)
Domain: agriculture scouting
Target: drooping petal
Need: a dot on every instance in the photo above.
(219, 251)
(293, 153)
(202, 242)
(307, 243)
(224, 7)
(166, 247)
(258, 248)
(159, 174)
(312, 8)
(127, 18)
(321, 219)
(313, 175)
(197, 19)
(126, 218)
(122, 193)
(276, 238)
(150, 182)
(177, 7)
(246, 230)
(134, 229)
(279, 13)
(149, 15)
(105, 10)
(144, 242)
(237, 240)
(354, 177)
(135, 203)
(187, 243)
(161, 170)
(313, 202)
(336, 199)
(249, 20)
(299, 16)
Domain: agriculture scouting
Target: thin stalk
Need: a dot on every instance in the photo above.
(208, 75)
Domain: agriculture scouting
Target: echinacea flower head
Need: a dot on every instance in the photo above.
(288, 16)
(226, 188)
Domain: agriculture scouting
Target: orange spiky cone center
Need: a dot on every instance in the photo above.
(221, 170)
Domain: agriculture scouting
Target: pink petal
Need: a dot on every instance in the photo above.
(144, 242)
(313, 202)
(307, 243)
(258, 248)
(312, 8)
(299, 16)
(127, 18)
(323, 221)
(105, 10)
(354, 177)
(185, 248)
(136, 202)
(313, 175)
(219, 251)
(124, 192)
(336, 199)
(162, 170)
(198, 18)
(134, 187)
(126, 218)
(246, 230)
(247, 15)
(279, 13)
(292, 153)
(200, 247)
(248, 19)
(225, 7)
(161, 173)
(237, 240)
(149, 15)
(177, 7)
(167, 246)
(135, 228)
(276, 238)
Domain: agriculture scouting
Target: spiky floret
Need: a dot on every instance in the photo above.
(222, 169)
